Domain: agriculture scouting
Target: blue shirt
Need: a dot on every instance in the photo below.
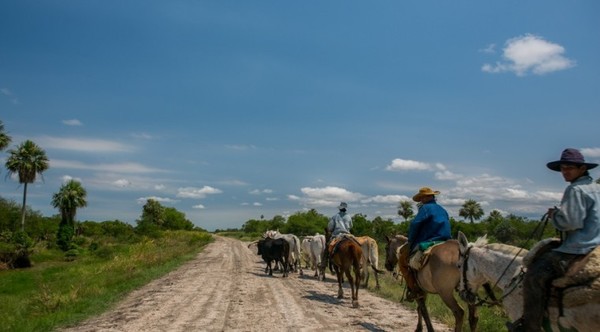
(579, 217)
(431, 224)
(341, 223)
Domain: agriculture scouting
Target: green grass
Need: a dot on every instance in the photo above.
(55, 292)
(490, 319)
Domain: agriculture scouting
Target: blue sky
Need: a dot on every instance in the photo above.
(229, 110)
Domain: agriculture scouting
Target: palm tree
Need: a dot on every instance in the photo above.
(4, 138)
(28, 160)
(471, 209)
(405, 210)
(69, 197)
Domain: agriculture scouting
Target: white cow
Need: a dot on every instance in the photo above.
(312, 251)
(370, 258)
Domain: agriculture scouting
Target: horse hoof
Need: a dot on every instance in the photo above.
(354, 304)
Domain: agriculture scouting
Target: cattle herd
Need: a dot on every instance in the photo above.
(286, 253)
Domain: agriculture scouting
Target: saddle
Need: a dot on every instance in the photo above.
(333, 245)
(421, 256)
(581, 282)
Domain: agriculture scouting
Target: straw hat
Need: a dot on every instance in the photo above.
(425, 191)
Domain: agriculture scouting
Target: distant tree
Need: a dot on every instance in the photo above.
(472, 210)
(153, 213)
(405, 210)
(4, 138)
(361, 226)
(27, 160)
(382, 227)
(67, 200)
(176, 220)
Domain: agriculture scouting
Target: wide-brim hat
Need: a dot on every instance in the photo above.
(569, 156)
(425, 191)
(343, 205)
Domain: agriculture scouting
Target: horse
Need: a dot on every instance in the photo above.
(370, 250)
(440, 275)
(346, 257)
(576, 308)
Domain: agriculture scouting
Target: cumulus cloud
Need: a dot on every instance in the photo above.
(408, 165)
(198, 206)
(72, 122)
(143, 200)
(326, 196)
(530, 54)
(386, 199)
(122, 183)
(192, 192)
(591, 152)
(67, 178)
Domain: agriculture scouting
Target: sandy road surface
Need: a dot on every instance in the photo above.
(225, 289)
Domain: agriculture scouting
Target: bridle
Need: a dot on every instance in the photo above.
(467, 294)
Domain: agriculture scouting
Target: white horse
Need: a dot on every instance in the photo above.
(502, 266)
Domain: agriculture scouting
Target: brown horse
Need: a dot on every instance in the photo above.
(345, 255)
(440, 275)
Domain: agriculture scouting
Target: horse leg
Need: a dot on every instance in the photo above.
(473, 317)
(422, 308)
(457, 311)
(355, 284)
(340, 278)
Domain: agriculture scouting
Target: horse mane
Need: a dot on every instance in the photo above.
(507, 249)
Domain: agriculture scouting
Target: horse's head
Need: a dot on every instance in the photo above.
(470, 279)
(392, 246)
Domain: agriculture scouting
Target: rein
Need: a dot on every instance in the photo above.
(490, 298)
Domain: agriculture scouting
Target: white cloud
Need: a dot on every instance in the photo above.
(326, 196)
(143, 200)
(72, 122)
(257, 204)
(386, 199)
(192, 192)
(116, 168)
(83, 144)
(198, 206)
(160, 187)
(259, 192)
(67, 178)
(407, 165)
(491, 48)
(591, 152)
(6, 92)
(122, 183)
(530, 53)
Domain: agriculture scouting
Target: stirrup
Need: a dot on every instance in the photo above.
(516, 326)
(413, 295)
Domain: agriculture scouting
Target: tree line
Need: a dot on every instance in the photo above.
(27, 161)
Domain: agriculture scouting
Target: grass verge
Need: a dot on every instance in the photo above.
(55, 293)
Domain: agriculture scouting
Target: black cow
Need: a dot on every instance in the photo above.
(274, 250)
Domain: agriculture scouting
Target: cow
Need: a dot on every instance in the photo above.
(294, 242)
(277, 250)
(370, 251)
(312, 252)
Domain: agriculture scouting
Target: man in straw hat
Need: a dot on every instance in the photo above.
(578, 218)
(430, 224)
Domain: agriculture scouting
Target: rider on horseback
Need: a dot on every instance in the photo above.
(578, 218)
(339, 225)
(430, 225)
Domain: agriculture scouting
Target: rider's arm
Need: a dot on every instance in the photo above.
(572, 211)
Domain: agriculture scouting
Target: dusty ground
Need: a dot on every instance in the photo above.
(225, 289)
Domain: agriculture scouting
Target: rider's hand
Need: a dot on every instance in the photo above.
(552, 211)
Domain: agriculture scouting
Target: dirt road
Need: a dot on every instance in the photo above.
(225, 289)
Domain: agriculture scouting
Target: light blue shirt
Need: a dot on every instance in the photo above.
(341, 223)
(579, 217)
